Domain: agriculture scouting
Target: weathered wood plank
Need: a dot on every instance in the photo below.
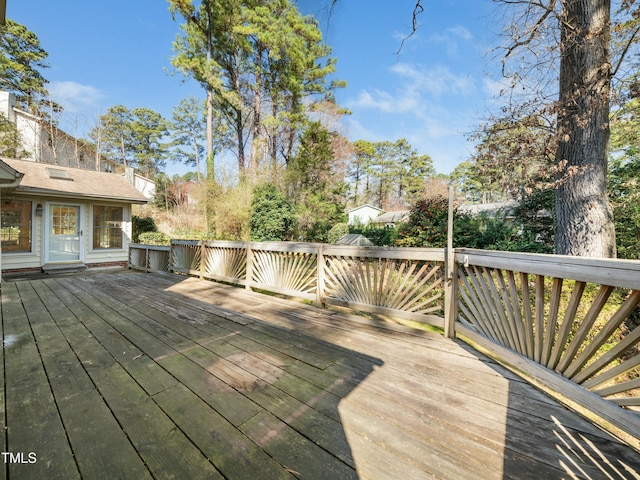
(163, 447)
(233, 453)
(33, 421)
(164, 346)
(98, 442)
(295, 452)
(337, 396)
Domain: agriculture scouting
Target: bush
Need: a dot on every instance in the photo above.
(154, 238)
(272, 215)
(338, 231)
(379, 236)
(427, 225)
(142, 225)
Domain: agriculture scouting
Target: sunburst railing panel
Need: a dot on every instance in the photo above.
(186, 256)
(286, 271)
(225, 261)
(407, 283)
(581, 322)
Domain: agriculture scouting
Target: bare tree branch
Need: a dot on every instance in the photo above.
(417, 10)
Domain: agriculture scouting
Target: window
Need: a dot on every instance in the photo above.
(15, 230)
(64, 220)
(107, 227)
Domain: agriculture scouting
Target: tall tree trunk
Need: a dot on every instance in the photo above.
(211, 173)
(584, 215)
(256, 137)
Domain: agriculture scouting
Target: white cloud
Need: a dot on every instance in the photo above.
(73, 94)
(81, 104)
(435, 81)
(461, 32)
(417, 90)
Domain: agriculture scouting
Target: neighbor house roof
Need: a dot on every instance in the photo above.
(396, 216)
(361, 207)
(66, 182)
(490, 209)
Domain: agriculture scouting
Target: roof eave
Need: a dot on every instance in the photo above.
(77, 196)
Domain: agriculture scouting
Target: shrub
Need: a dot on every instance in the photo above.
(154, 238)
(427, 225)
(338, 231)
(272, 214)
(142, 225)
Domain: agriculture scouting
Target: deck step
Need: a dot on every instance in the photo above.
(59, 268)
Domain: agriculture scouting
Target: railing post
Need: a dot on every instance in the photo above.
(451, 280)
(170, 266)
(320, 263)
(202, 259)
(249, 275)
(147, 259)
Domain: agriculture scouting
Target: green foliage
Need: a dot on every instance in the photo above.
(624, 192)
(622, 180)
(427, 225)
(260, 62)
(21, 58)
(171, 192)
(142, 225)
(528, 229)
(388, 172)
(154, 238)
(10, 144)
(314, 186)
(133, 137)
(272, 215)
(231, 210)
(338, 231)
(379, 236)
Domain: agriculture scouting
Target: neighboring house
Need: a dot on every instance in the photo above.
(144, 185)
(43, 142)
(390, 219)
(363, 214)
(56, 217)
(489, 209)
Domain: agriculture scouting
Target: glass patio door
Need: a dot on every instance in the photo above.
(64, 233)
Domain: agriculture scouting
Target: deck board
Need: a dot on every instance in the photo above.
(131, 375)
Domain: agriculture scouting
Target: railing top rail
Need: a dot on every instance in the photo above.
(604, 271)
(225, 244)
(293, 247)
(184, 242)
(427, 254)
(162, 248)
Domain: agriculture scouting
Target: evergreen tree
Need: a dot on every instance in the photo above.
(272, 214)
(314, 185)
(21, 61)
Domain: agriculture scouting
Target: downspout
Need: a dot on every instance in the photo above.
(7, 186)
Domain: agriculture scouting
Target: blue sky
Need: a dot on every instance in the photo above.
(433, 92)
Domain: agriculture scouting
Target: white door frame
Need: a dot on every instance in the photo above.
(47, 231)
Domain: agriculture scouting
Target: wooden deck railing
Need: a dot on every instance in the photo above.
(401, 282)
(564, 322)
(570, 325)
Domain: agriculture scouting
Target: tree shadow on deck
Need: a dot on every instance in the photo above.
(279, 388)
(300, 383)
(543, 439)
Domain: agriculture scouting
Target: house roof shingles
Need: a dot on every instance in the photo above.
(83, 183)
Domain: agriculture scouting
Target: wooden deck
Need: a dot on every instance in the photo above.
(130, 375)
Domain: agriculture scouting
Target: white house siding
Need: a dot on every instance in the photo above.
(35, 259)
(363, 214)
(145, 186)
